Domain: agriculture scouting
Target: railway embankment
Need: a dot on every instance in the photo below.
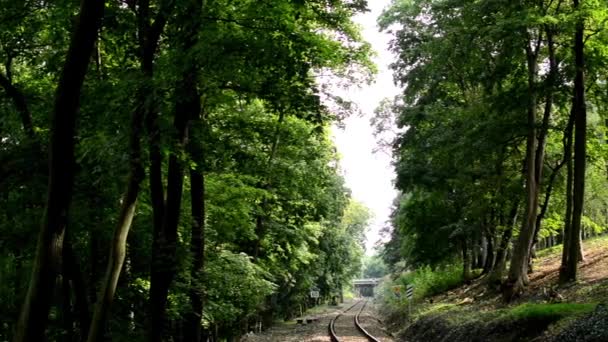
(545, 313)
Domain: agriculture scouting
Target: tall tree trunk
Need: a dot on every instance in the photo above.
(580, 151)
(466, 262)
(164, 257)
(187, 107)
(569, 179)
(517, 277)
(501, 253)
(34, 314)
(148, 41)
(81, 303)
(119, 242)
(542, 140)
(197, 249)
(66, 306)
(490, 257)
(136, 174)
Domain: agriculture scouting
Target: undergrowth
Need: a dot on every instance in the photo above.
(428, 282)
(552, 312)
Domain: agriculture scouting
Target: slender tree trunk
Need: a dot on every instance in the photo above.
(127, 211)
(542, 140)
(66, 305)
(568, 215)
(34, 314)
(580, 140)
(81, 303)
(490, 257)
(501, 253)
(149, 35)
(119, 243)
(164, 257)
(187, 107)
(197, 249)
(466, 264)
(148, 41)
(581, 254)
(517, 277)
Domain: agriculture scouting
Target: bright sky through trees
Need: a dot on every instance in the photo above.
(369, 175)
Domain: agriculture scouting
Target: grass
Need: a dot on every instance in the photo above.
(551, 312)
(434, 309)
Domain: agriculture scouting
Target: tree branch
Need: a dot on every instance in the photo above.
(20, 103)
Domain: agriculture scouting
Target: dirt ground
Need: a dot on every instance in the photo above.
(293, 332)
(592, 283)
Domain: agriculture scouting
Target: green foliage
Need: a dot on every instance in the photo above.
(278, 217)
(551, 312)
(469, 71)
(426, 281)
(236, 287)
(373, 267)
(429, 282)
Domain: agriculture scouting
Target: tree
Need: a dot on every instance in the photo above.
(467, 151)
(149, 36)
(34, 314)
(579, 111)
(223, 102)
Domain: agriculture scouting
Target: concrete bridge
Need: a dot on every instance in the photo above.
(365, 287)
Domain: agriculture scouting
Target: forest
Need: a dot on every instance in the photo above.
(166, 167)
(168, 172)
(501, 162)
(504, 105)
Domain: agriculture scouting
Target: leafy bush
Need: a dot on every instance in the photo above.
(428, 282)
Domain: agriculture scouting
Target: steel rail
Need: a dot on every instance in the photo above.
(332, 332)
(361, 329)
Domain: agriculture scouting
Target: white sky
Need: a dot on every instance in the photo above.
(369, 175)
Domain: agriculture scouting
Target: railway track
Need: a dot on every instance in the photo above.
(345, 327)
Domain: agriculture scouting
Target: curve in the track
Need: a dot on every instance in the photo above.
(332, 331)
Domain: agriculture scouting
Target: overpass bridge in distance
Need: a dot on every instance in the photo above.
(365, 287)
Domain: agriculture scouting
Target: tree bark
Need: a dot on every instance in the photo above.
(490, 257)
(542, 139)
(119, 242)
(187, 107)
(501, 253)
(197, 249)
(34, 314)
(66, 306)
(517, 277)
(81, 304)
(568, 215)
(580, 150)
(164, 257)
(136, 175)
(148, 41)
(466, 265)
